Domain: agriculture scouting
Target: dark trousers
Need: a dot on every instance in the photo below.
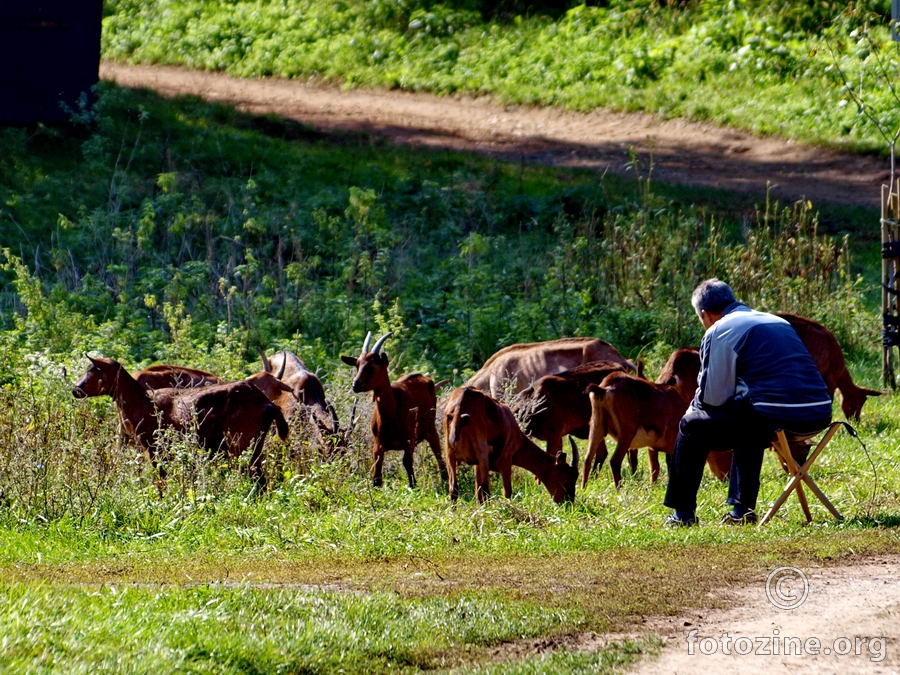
(733, 426)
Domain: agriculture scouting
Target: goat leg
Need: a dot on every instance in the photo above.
(452, 485)
(653, 455)
(434, 442)
(482, 481)
(596, 456)
(408, 465)
(615, 462)
(377, 466)
(633, 460)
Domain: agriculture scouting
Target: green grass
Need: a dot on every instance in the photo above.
(325, 573)
(786, 68)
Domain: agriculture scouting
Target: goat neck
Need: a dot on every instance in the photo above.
(549, 470)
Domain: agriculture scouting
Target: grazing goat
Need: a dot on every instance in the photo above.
(404, 412)
(483, 432)
(639, 414)
(226, 417)
(829, 358)
(558, 405)
(307, 388)
(517, 366)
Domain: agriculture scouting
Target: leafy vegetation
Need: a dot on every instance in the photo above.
(773, 67)
(179, 231)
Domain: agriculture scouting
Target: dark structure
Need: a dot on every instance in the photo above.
(50, 56)
(890, 277)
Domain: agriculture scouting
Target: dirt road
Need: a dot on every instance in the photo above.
(849, 622)
(680, 152)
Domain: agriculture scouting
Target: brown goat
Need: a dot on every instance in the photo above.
(404, 412)
(829, 358)
(307, 388)
(558, 405)
(639, 414)
(483, 432)
(226, 417)
(164, 375)
(278, 392)
(517, 366)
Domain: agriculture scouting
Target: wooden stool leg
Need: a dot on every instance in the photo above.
(801, 496)
(800, 474)
(789, 488)
(822, 498)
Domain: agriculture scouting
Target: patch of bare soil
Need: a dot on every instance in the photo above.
(849, 622)
(679, 152)
(854, 611)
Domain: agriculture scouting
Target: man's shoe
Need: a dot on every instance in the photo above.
(674, 521)
(730, 518)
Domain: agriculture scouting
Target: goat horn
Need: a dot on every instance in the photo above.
(283, 364)
(381, 341)
(365, 346)
(574, 452)
(267, 366)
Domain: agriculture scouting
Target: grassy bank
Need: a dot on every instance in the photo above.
(787, 68)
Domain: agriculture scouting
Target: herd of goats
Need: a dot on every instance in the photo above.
(578, 387)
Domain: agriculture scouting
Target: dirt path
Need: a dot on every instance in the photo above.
(680, 152)
(859, 603)
(852, 611)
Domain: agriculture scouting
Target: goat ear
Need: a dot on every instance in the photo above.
(350, 360)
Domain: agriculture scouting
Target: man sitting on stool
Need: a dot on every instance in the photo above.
(756, 376)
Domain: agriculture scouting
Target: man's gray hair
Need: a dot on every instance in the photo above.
(712, 295)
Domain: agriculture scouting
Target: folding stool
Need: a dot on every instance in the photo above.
(799, 473)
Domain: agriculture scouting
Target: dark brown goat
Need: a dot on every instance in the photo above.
(829, 358)
(164, 375)
(639, 414)
(226, 417)
(515, 367)
(404, 412)
(308, 390)
(483, 432)
(278, 392)
(558, 405)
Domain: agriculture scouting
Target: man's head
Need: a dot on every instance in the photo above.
(710, 299)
